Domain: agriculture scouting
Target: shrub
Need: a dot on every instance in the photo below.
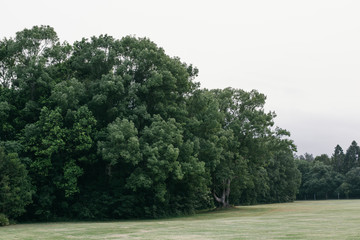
(15, 186)
(4, 221)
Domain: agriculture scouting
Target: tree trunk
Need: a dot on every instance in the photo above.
(224, 199)
(227, 192)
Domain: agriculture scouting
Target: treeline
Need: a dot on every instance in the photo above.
(107, 129)
(326, 177)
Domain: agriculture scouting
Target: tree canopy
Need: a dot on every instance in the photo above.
(106, 128)
(330, 177)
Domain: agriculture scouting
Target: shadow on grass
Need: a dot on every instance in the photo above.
(209, 214)
(231, 212)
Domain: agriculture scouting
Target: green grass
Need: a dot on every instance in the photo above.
(335, 219)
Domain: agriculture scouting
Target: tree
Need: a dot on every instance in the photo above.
(122, 144)
(351, 159)
(57, 143)
(30, 65)
(231, 166)
(31, 60)
(307, 156)
(6, 129)
(338, 159)
(304, 167)
(284, 176)
(160, 168)
(8, 50)
(15, 187)
(203, 127)
(246, 154)
(324, 158)
(91, 59)
(353, 183)
(321, 181)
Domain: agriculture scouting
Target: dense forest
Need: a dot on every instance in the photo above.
(326, 177)
(114, 129)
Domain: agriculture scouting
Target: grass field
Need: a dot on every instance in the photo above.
(332, 219)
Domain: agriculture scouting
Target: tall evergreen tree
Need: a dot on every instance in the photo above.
(338, 159)
(351, 159)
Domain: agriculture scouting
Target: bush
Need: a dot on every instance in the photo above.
(15, 186)
(4, 221)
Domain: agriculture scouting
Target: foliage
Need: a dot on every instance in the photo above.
(4, 221)
(111, 128)
(15, 187)
(335, 177)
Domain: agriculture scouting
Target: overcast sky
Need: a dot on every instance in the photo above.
(304, 55)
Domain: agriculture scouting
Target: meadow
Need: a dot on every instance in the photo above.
(331, 219)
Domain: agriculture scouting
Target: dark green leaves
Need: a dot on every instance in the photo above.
(121, 144)
(113, 128)
(15, 187)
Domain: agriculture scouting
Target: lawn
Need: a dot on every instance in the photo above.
(332, 219)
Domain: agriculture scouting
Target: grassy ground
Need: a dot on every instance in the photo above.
(335, 219)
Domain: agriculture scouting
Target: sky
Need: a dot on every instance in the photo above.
(303, 55)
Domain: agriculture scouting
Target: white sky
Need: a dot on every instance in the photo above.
(304, 55)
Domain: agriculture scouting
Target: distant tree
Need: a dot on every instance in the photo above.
(351, 159)
(324, 158)
(308, 157)
(338, 159)
(304, 167)
(353, 183)
(344, 189)
(320, 181)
